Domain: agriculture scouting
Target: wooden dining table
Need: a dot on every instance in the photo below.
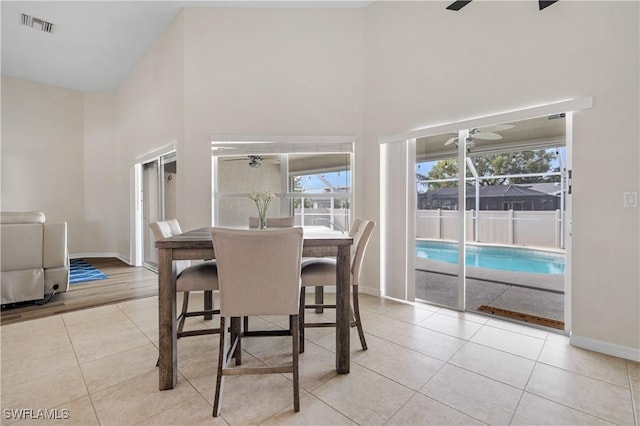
(197, 245)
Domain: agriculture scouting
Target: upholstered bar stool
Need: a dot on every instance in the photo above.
(199, 277)
(320, 272)
(272, 222)
(268, 284)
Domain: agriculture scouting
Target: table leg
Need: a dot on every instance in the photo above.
(208, 303)
(168, 364)
(343, 304)
(319, 298)
(236, 331)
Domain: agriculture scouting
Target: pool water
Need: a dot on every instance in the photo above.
(489, 257)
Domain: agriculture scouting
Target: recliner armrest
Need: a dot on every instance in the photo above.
(54, 251)
(21, 217)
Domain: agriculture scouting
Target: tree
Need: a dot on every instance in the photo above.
(522, 162)
(443, 169)
(297, 187)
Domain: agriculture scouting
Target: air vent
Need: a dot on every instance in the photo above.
(36, 23)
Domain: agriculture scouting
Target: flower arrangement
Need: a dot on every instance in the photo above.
(262, 200)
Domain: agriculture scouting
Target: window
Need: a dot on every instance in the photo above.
(322, 187)
(312, 180)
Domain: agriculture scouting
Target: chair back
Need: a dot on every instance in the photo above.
(166, 229)
(361, 230)
(174, 226)
(258, 271)
(273, 222)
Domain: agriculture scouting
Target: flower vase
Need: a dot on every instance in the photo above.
(262, 200)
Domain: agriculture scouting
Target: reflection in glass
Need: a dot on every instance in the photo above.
(316, 190)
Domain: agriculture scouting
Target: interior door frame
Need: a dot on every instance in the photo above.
(136, 234)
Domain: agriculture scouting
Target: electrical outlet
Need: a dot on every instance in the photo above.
(630, 199)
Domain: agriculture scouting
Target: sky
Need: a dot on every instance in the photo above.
(313, 183)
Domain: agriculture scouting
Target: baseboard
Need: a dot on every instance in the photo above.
(99, 255)
(405, 302)
(371, 291)
(613, 349)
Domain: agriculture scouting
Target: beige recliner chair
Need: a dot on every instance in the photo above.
(34, 257)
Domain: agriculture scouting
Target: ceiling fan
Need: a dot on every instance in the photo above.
(484, 133)
(459, 4)
(255, 161)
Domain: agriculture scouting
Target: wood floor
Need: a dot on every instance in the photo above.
(124, 283)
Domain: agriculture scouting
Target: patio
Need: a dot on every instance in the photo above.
(535, 295)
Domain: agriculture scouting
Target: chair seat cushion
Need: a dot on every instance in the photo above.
(306, 261)
(319, 271)
(203, 276)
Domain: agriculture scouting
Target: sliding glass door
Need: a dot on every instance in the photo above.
(516, 208)
(437, 275)
(159, 178)
(490, 220)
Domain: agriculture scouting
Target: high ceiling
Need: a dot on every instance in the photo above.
(95, 45)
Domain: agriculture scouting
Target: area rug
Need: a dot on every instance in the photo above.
(81, 272)
(532, 319)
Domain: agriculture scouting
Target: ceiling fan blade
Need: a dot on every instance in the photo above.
(450, 141)
(496, 128)
(542, 4)
(487, 136)
(457, 5)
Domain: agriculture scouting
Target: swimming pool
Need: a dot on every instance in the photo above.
(491, 257)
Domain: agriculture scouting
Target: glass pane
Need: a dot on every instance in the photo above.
(437, 225)
(515, 251)
(323, 211)
(240, 175)
(314, 175)
(150, 209)
(159, 183)
(170, 173)
(321, 183)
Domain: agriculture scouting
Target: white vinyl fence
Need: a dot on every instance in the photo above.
(338, 219)
(523, 228)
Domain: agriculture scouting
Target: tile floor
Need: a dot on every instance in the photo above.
(425, 365)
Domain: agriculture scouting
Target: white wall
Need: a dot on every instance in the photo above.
(43, 153)
(100, 225)
(425, 65)
(150, 116)
(266, 72)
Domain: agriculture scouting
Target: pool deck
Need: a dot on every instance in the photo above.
(549, 282)
(530, 293)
